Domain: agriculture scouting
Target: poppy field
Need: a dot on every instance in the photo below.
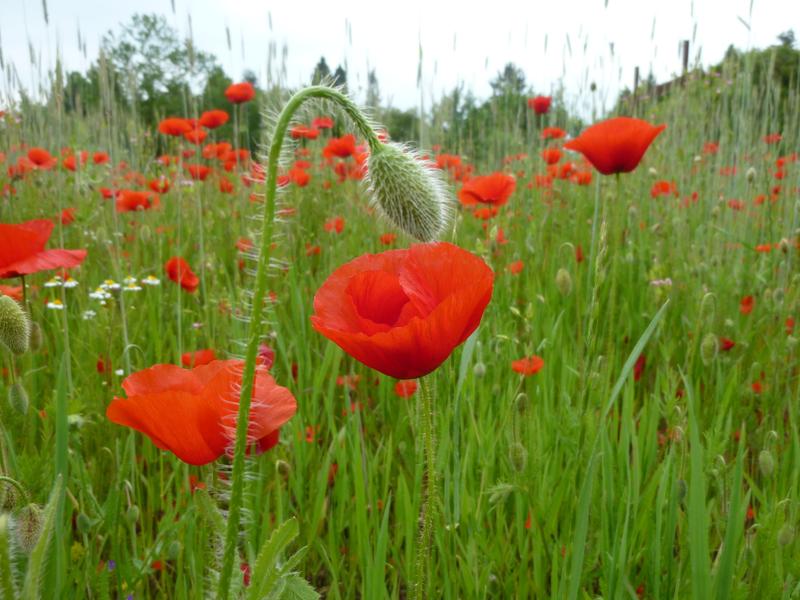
(333, 365)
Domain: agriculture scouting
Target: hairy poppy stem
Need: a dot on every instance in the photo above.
(429, 505)
(240, 448)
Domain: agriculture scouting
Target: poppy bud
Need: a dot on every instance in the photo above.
(786, 535)
(521, 403)
(14, 325)
(132, 515)
(777, 297)
(751, 174)
(709, 348)
(408, 190)
(715, 212)
(18, 398)
(563, 282)
(283, 468)
(83, 522)
(35, 338)
(28, 527)
(653, 172)
(479, 370)
(174, 550)
(518, 456)
(766, 463)
(791, 342)
(9, 495)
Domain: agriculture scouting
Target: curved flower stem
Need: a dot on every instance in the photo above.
(240, 448)
(430, 501)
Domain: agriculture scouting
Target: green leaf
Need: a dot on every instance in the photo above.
(266, 571)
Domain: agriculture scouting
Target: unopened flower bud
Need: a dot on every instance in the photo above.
(563, 282)
(786, 535)
(14, 325)
(132, 514)
(709, 348)
(766, 463)
(35, 338)
(28, 527)
(83, 522)
(479, 370)
(518, 456)
(174, 550)
(408, 190)
(283, 468)
(791, 342)
(521, 402)
(784, 245)
(18, 398)
(751, 174)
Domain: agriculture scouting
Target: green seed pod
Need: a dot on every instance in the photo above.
(18, 398)
(521, 402)
(84, 523)
(791, 343)
(36, 337)
(28, 527)
(283, 468)
(174, 550)
(563, 282)
(751, 174)
(777, 297)
(15, 327)
(479, 370)
(132, 514)
(766, 463)
(518, 456)
(709, 348)
(409, 191)
(786, 535)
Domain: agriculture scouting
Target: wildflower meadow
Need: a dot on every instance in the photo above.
(261, 340)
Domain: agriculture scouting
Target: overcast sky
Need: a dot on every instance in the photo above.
(554, 41)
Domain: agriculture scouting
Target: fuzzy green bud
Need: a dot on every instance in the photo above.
(709, 348)
(174, 550)
(132, 514)
(83, 522)
(563, 282)
(409, 191)
(751, 174)
(36, 337)
(18, 398)
(791, 342)
(283, 468)
(479, 370)
(786, 535)
(15, 327)
(521, 403)
(518, 456)
(28, 527)
(766, 463)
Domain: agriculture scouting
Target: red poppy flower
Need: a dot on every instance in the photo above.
(746, 305)
(616, 145)
(299, 177)
(663, 188)
(174, 126)
(402, 312)
(198, 172)
(41, 158)
(334, 224)
(540, 104)
(22, 250)
(515, 268)
(179, 271)
(552, 133)
(493, 189)
(238, 93)
(387, 239)
(725, 344)
(131, 200)
(405, 388)
(639, 367)
(302, 131)
(322, 123)
(192, 413)
(340, 147)
(198, 358)
(12, 291)
(528, 365)
(211, 119)
(551, 155)
(100, 158)
(195, 136)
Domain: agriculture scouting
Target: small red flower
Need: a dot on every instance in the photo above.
(528, 365)
(540, 104)
(174, 126)
(198, 358)
(725, 344)
(746, 305)
(178, 270)
(405, 388)
(639, 366)
(239, 93)
(211, 119)
(334, 225)
(340, 147)
(494, 189)
(551, 155)
(515, 268)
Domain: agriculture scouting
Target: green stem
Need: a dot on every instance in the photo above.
(240, 448)
(429, 505)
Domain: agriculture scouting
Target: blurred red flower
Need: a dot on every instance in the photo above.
(22, 249)
(746, 305)
(616, 145)
(551, 155)
(178, 270)
(340, 147)
(41, 158)
(192, 413)
(405, 388)
(238, 93)
(493, 189)
(198, 358)
(540, 104)
(402, 312)
(174, 126)
(211, 119)
(130, 200)
(528, 365)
